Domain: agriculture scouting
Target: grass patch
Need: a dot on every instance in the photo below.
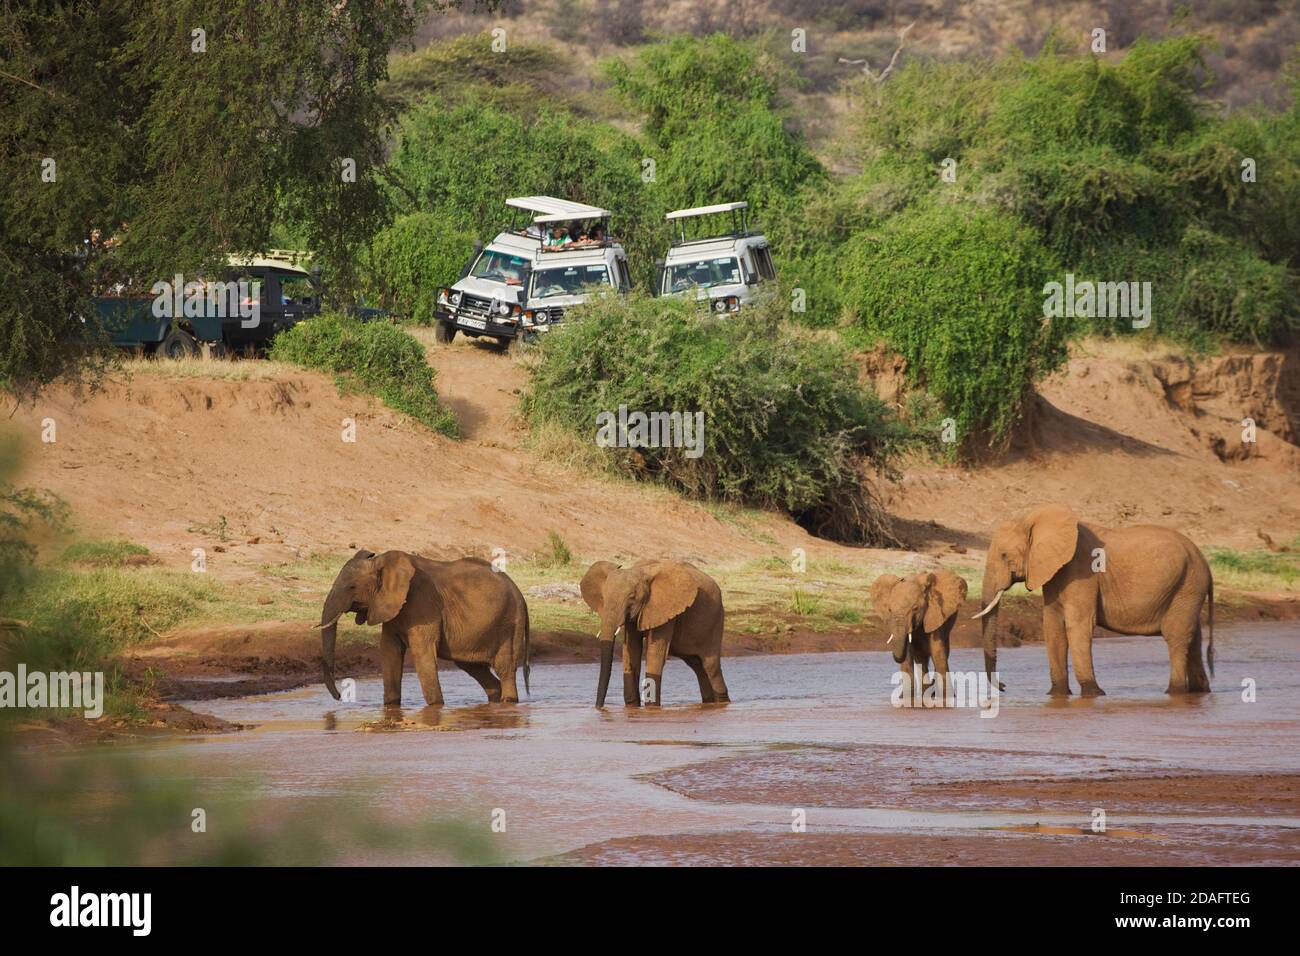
(373, 357)
(1257, 570)
(107, 554)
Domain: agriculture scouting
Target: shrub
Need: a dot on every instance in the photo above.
(410, 260)
(958, 292)
(785, 424)
(372, 356)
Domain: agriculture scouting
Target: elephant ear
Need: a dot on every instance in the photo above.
(593, 584)
(880, 589)
(672, 590)
(393, 573)
(945, 592)
(1053, 536)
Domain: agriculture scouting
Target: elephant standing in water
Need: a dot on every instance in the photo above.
(461, 611)
(1140, 580)
(667, 607)
(919, 613)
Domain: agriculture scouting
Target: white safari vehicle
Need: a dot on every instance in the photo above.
(566, 274)
(723, 263)
(500, 294)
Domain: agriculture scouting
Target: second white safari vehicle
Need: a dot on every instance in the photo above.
(522, 281)
(716, 258)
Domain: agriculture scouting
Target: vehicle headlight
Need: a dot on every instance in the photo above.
(542, 317)
(455, 298)
(719, 305)
(503, 309)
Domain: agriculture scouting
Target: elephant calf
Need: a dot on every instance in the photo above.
(667, 607)
(919, 612)
(461, 611)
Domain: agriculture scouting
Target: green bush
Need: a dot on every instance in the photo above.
(549, 153)
(1118, 168)
(410, 260)
(785, 423)
(958, 292)
(375, 357)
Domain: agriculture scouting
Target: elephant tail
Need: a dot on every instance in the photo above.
(1210, 655)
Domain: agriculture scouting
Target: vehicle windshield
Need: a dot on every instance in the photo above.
(500, 267)
(704, 273)
(567, 280)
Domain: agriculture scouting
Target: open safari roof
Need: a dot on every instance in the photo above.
(739, 212)
(706, 210)
(549, 209)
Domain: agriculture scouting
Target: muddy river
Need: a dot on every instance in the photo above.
(811, 763)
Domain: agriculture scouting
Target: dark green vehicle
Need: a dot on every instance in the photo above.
(224, 315)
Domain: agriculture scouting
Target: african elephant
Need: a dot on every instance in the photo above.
(669, 606)
(919, 613)
(1140, 580)
(461, 611)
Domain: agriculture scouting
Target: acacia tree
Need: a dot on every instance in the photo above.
(148, 137)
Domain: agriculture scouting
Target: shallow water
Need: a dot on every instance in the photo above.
(567, 775)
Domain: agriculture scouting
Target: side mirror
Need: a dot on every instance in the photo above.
(660, 265)
(750, 278)
(478, 246)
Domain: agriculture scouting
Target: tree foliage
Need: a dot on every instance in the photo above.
(172, 148)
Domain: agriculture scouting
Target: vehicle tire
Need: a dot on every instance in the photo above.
(444, 332)
(178, 344)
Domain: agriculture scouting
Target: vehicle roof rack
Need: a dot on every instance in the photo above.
(550, 209)
(706, 210)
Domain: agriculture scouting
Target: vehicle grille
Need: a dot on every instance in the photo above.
(554, 314)
(475, 307)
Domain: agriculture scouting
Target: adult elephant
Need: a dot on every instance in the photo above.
(461, 611)
(1139, 580)
(919, 613)
(667, 608)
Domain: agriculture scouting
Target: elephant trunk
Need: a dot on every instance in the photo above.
(336, 605)
(899, 645)
(606, 665)
(327, 636)
(989, 627)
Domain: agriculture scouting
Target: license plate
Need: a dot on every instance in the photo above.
(472, 323)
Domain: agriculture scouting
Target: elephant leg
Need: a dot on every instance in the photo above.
(939, 647)
(632, 643)
(507, 672)
(1182, 633)
(423, 642)
(392, 654)
(1079, 629)
(656, 655)
(706, 689)
(487, 680)
(1198, 679)
(1057, 651)
(713, 668)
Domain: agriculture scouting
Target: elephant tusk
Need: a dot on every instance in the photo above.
(909, 637)
(992, 604)
(891, 639)
(618, 630)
